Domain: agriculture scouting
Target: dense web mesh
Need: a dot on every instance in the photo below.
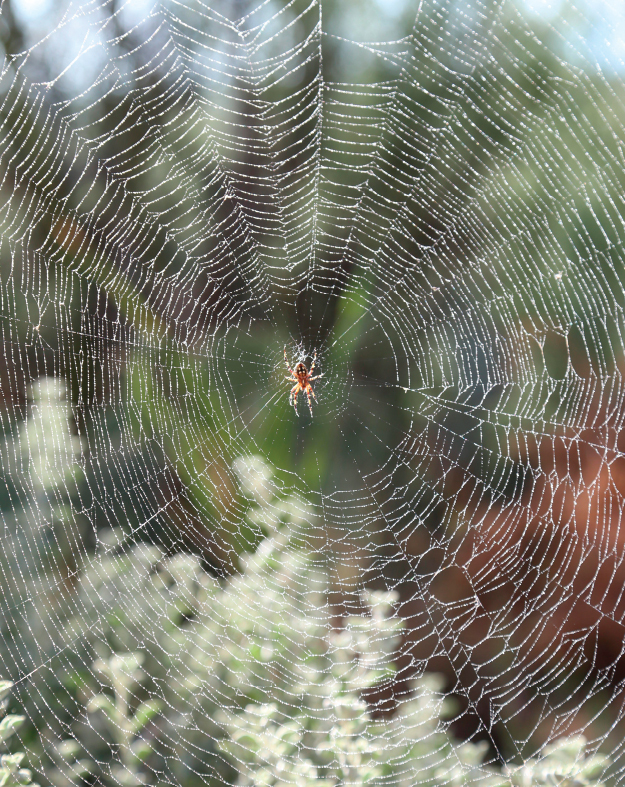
(418, 580)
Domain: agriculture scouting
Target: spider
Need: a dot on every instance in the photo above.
(302, 378)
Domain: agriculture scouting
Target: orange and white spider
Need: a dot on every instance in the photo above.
(303, 379)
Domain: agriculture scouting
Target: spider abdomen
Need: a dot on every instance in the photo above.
(302, 378)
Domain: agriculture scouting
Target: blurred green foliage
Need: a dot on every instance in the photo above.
(11, 772)
(187, 391)
(252, 688)
(152, 403)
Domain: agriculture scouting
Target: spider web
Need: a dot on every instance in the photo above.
(190, 189)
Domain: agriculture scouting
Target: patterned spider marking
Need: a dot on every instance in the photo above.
(303, 379)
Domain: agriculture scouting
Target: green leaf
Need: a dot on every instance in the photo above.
(5, 688)
(8, 725)
(11, 761)
(142, 749)
(24, 776)
(68, 749)
(143, 714)
(101, 702)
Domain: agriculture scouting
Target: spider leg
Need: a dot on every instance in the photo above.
(313, 363)
(312, 392)
(309, 391)
(287, 364)
(293, 395)
(316, 377)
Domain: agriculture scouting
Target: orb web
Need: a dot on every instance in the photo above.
(419, 580)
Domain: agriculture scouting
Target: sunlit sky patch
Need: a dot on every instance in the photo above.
(29, 11)
(594, 28)
(598, 25)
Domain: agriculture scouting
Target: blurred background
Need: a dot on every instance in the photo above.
(427, 195)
